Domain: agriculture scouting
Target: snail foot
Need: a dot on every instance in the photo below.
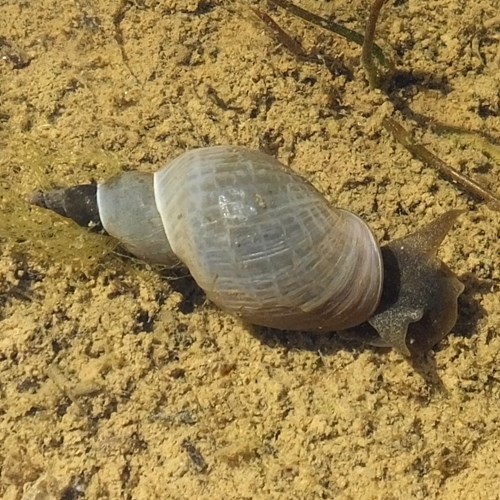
(419, 299)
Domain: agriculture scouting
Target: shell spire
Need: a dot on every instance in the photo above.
(78, 203)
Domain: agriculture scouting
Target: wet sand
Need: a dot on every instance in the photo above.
(119, 381)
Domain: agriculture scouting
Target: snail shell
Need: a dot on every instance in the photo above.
(265, 245)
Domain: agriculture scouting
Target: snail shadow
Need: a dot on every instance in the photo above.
(329, 344)
(182, 282)
(470, 314)
(470, 311)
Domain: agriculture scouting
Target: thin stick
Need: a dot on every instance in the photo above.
(281, 35)
(371, 50)
(423, 154)
(403, 136)
(369, 41)
(334, 27)
(62, 383)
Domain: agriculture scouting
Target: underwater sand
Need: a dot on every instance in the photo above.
(120, 382)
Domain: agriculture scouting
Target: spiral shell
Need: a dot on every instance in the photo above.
(265, 245)
(261, 242)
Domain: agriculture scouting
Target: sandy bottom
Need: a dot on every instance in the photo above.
(118, 381)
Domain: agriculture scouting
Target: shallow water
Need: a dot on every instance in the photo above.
(120, 382)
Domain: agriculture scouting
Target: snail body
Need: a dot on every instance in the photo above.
(265, 245)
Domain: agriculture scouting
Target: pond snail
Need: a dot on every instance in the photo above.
(265, 245)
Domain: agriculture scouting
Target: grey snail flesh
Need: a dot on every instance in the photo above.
(419, 303)
(266, 246)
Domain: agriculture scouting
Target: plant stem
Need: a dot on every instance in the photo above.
(374, 78)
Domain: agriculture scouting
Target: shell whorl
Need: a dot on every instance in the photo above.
(264, 244)
(128, 212)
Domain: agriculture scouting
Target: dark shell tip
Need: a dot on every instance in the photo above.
(78, 203)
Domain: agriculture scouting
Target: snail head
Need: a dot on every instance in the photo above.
(419, 299)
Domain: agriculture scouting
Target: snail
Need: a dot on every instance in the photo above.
(265, 245)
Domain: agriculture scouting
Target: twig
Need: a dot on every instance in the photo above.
(371, 50)
(374, 78)
(334, 27)
(403, 136)
(62, 383)
(280, 34)
(423, 154)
